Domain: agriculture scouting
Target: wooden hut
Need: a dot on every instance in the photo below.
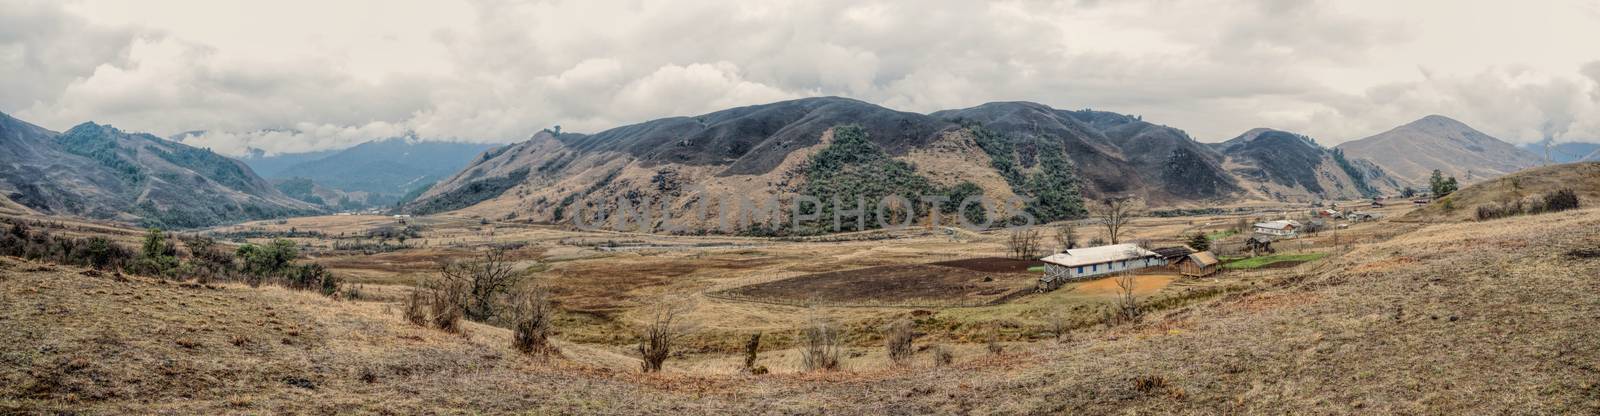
(1199, 264)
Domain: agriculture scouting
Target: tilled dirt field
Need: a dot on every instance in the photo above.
(931, 284)
(993, 264)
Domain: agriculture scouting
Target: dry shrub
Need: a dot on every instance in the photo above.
(941, 356)
(820, 349)
(751, 347)
(531, 312)
(417, 307)
(482, 281)
(1058, 326)
(1024, 243)
(1066, 236)
(1127, 304)
(187, 343)
(897, 340)
(1150, 384)
(664, 326)
(444, 298)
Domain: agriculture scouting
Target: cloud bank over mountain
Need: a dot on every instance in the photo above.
(299, 76)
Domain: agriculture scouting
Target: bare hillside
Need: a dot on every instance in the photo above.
(1582, 178)
(1411, 152)
(98, 171)
(1002, 149)
(1279, 165)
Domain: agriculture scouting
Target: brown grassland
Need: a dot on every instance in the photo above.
(1493, 317)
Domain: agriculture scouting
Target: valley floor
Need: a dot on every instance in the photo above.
(1483, 318)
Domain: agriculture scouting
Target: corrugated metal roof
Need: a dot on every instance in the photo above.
(1276, 225)
(1172, 252)
(1096, 255)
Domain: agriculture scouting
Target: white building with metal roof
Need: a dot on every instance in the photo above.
(1083, 263)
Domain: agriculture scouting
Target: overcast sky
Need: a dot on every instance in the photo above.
(290, 76)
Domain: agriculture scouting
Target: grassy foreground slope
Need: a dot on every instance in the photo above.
(1479, 318)
(1581, 177)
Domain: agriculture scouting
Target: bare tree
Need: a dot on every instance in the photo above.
(531, 312)
(664, 326)
(484, 281)
(1024, 243)
(1066, 236)
(897, 340)
(1114, 213)
(1127, 303)
(820, 349)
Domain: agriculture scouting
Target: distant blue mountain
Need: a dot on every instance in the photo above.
(270, 166)
(1567, 152)
(386, 169)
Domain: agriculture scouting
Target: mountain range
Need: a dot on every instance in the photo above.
(1566, 152)
(1060, 160)
(98, 171)
(375, 173)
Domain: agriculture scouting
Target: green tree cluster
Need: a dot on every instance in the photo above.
(1442, 186)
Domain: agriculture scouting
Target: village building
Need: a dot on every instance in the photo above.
(1279, 228)
(1198, 264)
(1258, 244)
(1171, 255)
(1083, 263)
(1361, 216)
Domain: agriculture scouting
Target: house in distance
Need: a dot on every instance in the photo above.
(1279, 228)
(1083, 263)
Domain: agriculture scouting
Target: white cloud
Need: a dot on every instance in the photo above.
(501, 70)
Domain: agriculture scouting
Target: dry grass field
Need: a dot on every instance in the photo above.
(1398, 318)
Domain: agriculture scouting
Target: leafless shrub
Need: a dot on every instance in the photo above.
(417, 307)
(941, 356)
(1024, 243)
(751, 347)
(1149, 384)
(664, 326)
(482, 281)
(820, 349)
(445, 297)
(993, 345)
(1127, 304)
(1066, 236)
(1560, 200)
(1058, 326)
(897, 340)
(531, 312)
